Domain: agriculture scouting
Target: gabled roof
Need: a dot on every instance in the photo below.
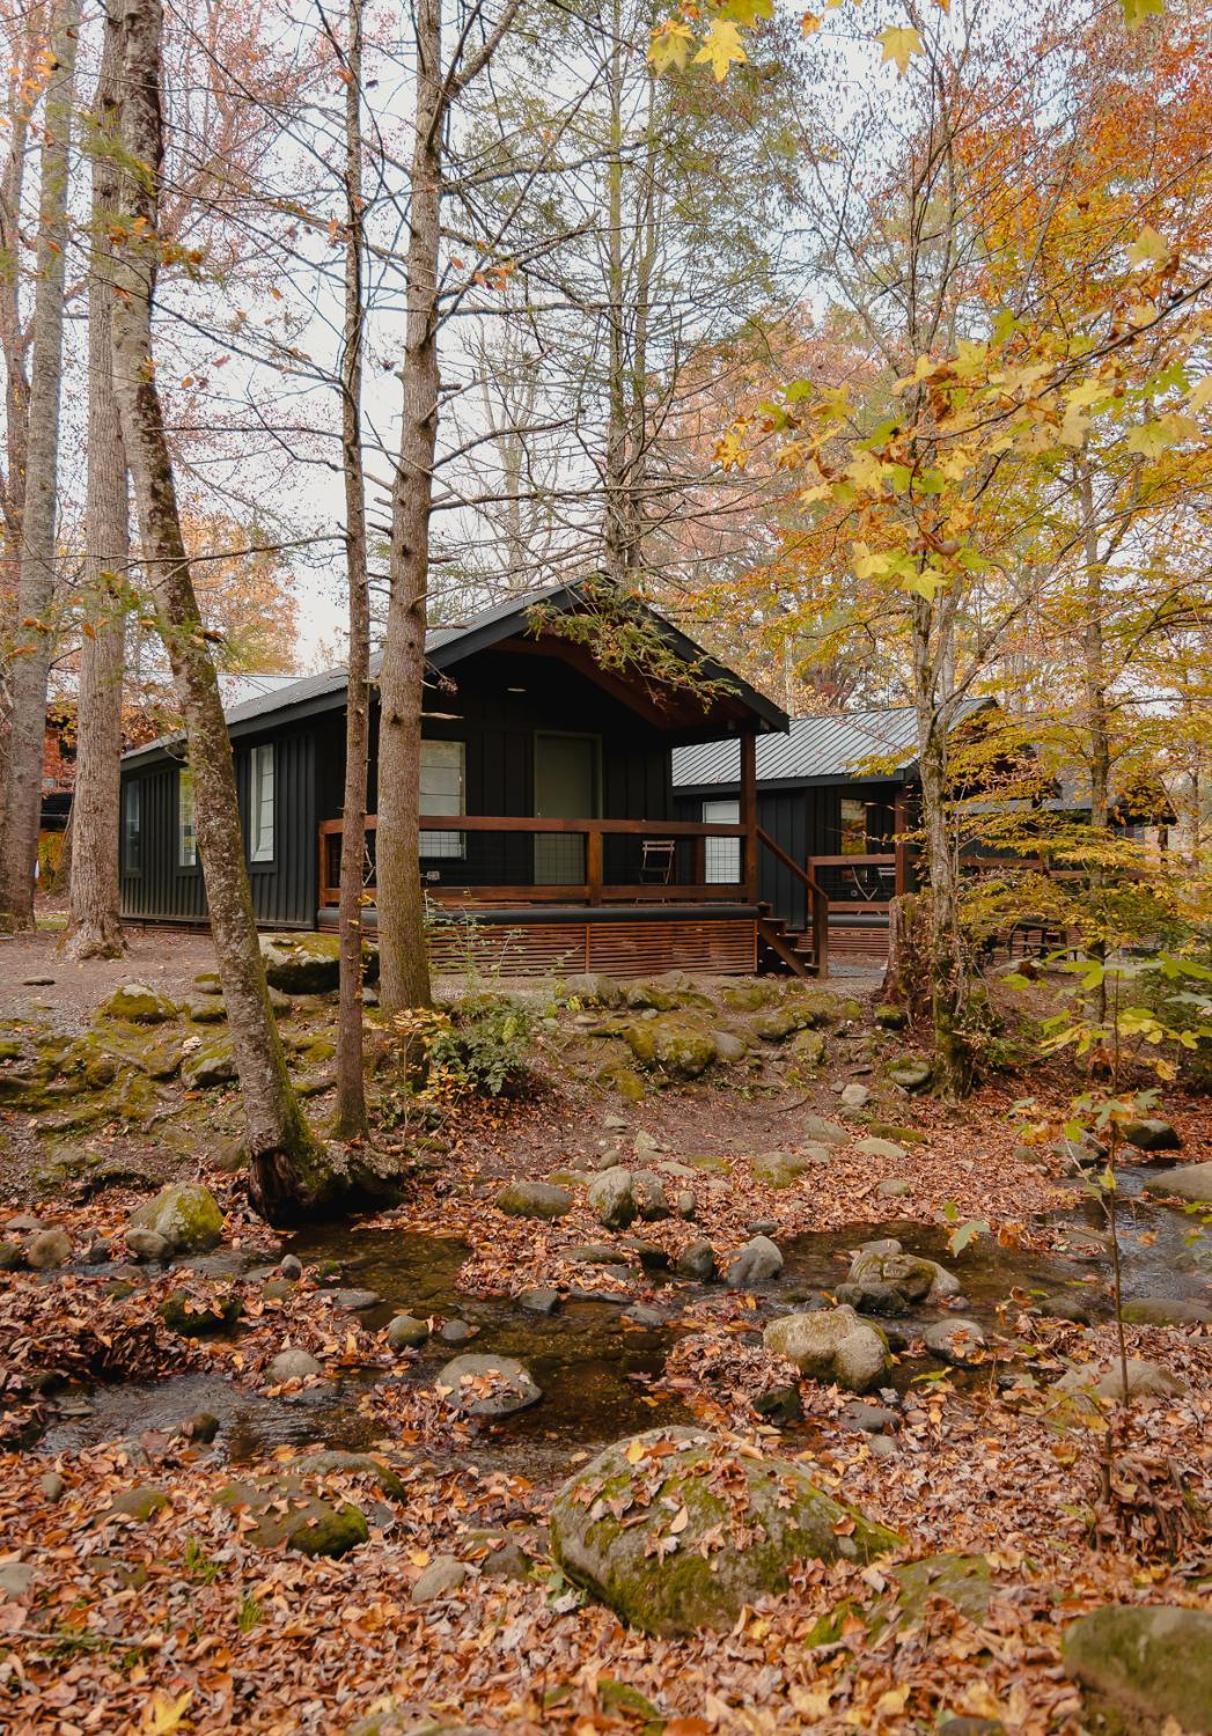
(447, 646)
(829, 747)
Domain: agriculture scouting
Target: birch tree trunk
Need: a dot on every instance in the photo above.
(351, 1088)
(36, 584)
(404, 964)
(95, 927)
(289, 1176)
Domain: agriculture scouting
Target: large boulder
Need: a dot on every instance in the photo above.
(884, 1264)
(678, 1047)
(137, 1004)
(185, 1213)
(831, 1344)
(782, 1169)
(757, 1262)
(1193, 1181)
(611, 1197)
(1151, 1133)
(1152, 1663)
(706, 1530)
(310, 964)
(488, 1386)
(1166, 1311)
(534, 1199)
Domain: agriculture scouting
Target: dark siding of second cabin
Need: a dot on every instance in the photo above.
(284, 890)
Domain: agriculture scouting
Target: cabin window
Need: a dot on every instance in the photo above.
(443, 791)
(261, 804)
(187, 839)
(722, 856)
(132, 825)
(854, 827)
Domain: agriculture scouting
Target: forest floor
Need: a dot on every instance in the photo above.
(144, 1586)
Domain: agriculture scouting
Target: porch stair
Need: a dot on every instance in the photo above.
(782, 949)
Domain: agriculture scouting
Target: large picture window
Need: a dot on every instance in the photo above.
(443, 791)
(187, 839)
(261, 804)
(132, 826)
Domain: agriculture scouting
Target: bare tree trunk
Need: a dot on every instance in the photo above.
(615, 536)
(36, 587)
(288, 1174)
(351, 1088)
(95, 926)
(1094, 677)
(404, 967)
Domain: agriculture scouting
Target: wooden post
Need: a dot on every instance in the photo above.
(820, 931)
(900, 824)
(749, 818)
(593, 863)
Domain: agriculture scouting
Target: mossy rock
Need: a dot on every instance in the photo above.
(310, 964)
(534, 1199)
(913, 1073)
(329, 1460)
(212, 1064)
(137, 1004)
(963, 1580)
(283, 1513)
(205, 1010)
(678, 1047)
(782, 1169)
(140, 1503)
(11, 1049)
(186, 1214)
(749, 997)
(197, 1317)
(625, 1080)
(706, 1579)
(891, 1018)
(894, 1130)
(1147, 1664)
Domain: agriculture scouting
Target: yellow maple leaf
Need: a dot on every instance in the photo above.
(810, 22)
(162, 1714)
(1201, 393)
(1148, 248)
(670, 46)
(721, 47)
(901, 43)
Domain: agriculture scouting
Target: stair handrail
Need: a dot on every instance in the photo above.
(818, 903)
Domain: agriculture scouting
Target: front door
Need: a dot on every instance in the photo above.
(565, 788)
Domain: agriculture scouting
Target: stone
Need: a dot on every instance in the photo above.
(807, 1050)
(534, 1199)
(202, 1427)
(137, 1004)
(48, 1249)
(406, 1332)
(818, 1131)
(1105, 1380)
(52, 1486)
(831, 1344)
(540, 1301)
(955, 1340)
(686, 1206)
(640, 1314)
(1192, 1181)
(869, 1419)
(755, 1263)
(855, 1096)
(1151, 1133)
(873, 1296)
(325, 1460)
(12, 1256)
(887, 1148)
(204, 1011)
(291, 1267)
(284, 1513)
(697, 1262)
(455, 1332)
(962, 1580)
(141, 1503)
(16, 1578)
(24, 1225)
(912, 1073)
(1149, 1661)
(1166, 1311)
(488, 1386)
(1068, 1305)
(660, 1474)
(648, 1192)
(728, 1046)
(651, 1255)
(293, 1364)
(891, 1018)
(98, 1253)
(186, 1214)
(894, 1188)
(148, 1245)
(780, 1404)
(782, 1169)
(596, 1254)
(611, 1197)
(212, 1064)
(304, 964)
(444, 1575)
(917, 1279)
(198, 1317)
(356, 1301)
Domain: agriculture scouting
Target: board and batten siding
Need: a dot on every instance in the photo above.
(284, 890)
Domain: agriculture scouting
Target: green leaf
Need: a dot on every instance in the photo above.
(959, 1238)
(1136, 11)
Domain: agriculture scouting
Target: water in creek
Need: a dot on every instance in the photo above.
(594, 1366)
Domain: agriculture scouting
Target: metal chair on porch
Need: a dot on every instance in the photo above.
(656, 861)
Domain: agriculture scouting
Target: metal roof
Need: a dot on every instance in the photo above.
(839, 746)
(445, 646)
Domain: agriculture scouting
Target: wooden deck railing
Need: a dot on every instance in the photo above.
(467, 877)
